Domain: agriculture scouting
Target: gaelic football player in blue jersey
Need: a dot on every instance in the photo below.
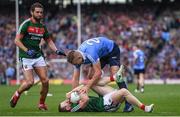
(139, 67)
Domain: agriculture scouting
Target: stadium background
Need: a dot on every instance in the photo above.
(154, 24)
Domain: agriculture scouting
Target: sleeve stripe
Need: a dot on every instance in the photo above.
(76, 108)
(20, 27)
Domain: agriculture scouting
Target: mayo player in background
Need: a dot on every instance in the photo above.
(28, 38)
(139, 67)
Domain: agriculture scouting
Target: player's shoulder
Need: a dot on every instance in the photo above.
(141, 51)
(26, 22)
(135, 52)
(104, 38)
(43, 24)
(138, 51)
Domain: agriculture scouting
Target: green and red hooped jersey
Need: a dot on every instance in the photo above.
(33, 33)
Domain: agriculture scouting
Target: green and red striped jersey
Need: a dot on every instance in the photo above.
(33, 33)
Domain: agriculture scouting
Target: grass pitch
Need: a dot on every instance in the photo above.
(165, 97)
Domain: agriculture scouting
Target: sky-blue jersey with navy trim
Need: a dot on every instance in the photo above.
(95, 48)
(140, 59)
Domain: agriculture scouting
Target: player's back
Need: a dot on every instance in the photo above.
(97, 47)
(140, 59)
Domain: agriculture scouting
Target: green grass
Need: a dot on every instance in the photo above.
(165, 97)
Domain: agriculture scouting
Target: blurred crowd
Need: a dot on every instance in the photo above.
(157, 33)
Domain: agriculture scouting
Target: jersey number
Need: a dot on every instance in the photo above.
(141, 59)
(93, 40)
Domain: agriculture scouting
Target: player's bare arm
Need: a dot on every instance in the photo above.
(94, 79)
(83, 100)
(90, 72)
(53, 47)
(75, 78)
(51, 44)
(18, 42)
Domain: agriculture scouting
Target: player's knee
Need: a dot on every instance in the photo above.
(45, 81)
(124, 91)
(28, 84)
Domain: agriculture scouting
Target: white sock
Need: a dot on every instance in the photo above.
(149, 108)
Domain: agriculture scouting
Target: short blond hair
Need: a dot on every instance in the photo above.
(70, 56)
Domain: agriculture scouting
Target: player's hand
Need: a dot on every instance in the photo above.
(68, 95)
(84, 89)
(31, 53)
(60, 52)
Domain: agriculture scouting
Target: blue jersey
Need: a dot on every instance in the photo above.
(140, 59)
(95, 48)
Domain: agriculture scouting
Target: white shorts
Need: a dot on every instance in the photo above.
(108, 103)
(28, 63)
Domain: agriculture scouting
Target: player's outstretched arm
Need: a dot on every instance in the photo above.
(94, 79)
(51, 44)
(75, 78)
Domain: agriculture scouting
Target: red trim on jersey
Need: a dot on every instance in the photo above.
(36, 30)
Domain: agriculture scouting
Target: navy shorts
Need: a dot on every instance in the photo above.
(113, 58)
(138, 71)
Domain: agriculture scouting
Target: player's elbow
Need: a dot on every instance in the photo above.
(98, 73)
(17, 41)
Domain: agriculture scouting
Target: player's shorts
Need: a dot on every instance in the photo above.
(28, 63)
(113, 58)
(108, 103)
(138, 71)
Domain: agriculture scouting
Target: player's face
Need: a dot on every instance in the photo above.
(65, 105)
(78, 59)
(37, 14)
(134, 48)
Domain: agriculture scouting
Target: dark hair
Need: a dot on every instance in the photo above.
(59, 108)
(36, 5)
(70, 56)
(136, 45)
